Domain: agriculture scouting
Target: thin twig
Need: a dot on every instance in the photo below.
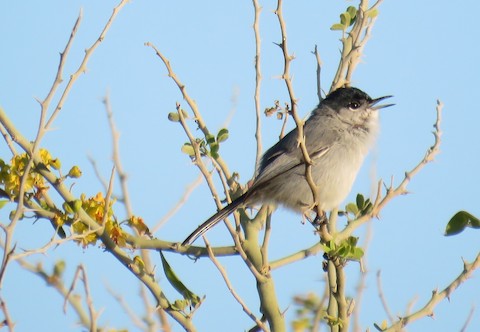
(120, 254)
(116, 155)
(299, 122)
(81, 274)
(134, 318)
(53, 242)
(381, 295)
(353, 43)
(469, 319)
(88, 298)
(266, 236)
(198, 157)
(122, 176)
(240, 301)
(297, 256)
(191, 103)
(258, 80)
(362, 280)
(401, 189)
(83, 65)
(181, 202)
(7, 320)
(437, 297)
(108, 197)
(319, 74)
(8, 140)
(56, 282)
(97, 173)
(320, 312)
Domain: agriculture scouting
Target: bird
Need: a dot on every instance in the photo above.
(338, 135)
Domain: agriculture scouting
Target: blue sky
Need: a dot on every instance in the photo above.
(419, 51)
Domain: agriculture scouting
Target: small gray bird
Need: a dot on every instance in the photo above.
(338, 135)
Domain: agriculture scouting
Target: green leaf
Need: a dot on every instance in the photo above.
(329, 247)
(177, 284)
(210, 139)
(368, 207)
(187, 148)
(352, 241)
(357, 253)
(352, 208)
(3, 203)
(372, 13)
(460, 221)
(338, 26)
(76, 205)
(68, 208)
(352, 11)
(179, 305)
(360, 201)
(342, 251)
(222, 135)
(59, 268)
(174, 117)
(345, 19)
(214, 147)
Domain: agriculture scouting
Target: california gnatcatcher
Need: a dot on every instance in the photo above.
(338, 135)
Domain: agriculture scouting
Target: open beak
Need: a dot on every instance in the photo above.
(376, 101)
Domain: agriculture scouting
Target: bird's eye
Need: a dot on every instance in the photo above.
(354, 105)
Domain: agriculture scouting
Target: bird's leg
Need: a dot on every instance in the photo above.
(320, 219)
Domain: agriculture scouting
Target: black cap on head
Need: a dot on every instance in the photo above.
(343, 97)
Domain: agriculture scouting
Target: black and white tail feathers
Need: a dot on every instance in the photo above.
(215, 219)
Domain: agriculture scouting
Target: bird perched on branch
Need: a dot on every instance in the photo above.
(338, 135)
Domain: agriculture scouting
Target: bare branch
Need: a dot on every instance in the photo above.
(353, 43)
(64, 192)
(437, 297)
(55, 282)
(191, 103)
(401, 189)
(134, 318)
(97, 173)
(116, 156)
(361, 285)
(108, 196)
(319, 74)
(83, 66)
(299, 122)
(7, 320)
(7, 139)
(299, 255)
(45, 104)
(181, 202)
(469, 319)
(231, 289)
(382, 297)
(258, 79)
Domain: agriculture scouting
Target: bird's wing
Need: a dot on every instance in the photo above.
(285, 156)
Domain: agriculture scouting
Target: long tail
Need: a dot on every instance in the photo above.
(215, 219)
